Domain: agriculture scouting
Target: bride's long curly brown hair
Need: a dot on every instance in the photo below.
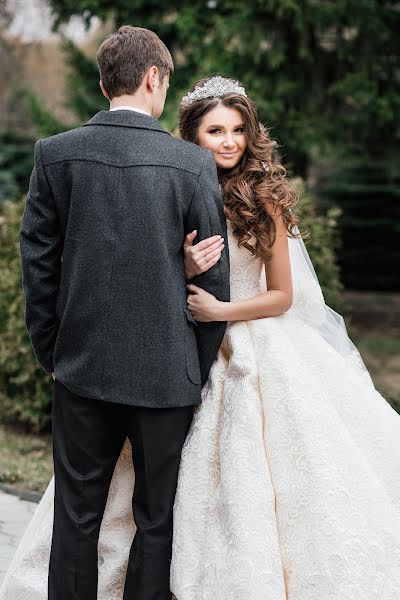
(259, 179)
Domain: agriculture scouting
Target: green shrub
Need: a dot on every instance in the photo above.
(16, 162)
(17, 148)
(368, 193)
(25, 390)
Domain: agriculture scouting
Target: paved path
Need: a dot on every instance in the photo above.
(15, 515)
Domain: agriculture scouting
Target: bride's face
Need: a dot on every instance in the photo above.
(222, 130)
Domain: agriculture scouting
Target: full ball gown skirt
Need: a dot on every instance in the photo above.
(289, 486)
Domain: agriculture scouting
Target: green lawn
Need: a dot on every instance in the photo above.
(25, 459)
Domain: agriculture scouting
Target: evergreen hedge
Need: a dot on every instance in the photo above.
(369, 196)
(25, 390)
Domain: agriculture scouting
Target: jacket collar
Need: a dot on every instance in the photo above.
(125, 118)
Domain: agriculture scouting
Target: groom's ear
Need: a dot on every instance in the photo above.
(103, 90)
(151, 78)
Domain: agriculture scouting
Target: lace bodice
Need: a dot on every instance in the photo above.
(246, 270)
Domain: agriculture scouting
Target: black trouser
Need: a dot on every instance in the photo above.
(88, 436)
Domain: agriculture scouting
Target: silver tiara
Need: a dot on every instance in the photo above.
(216, 87)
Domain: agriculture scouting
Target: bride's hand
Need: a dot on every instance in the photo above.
(202, 256)
(204, 306)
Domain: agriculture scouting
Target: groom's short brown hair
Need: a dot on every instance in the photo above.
(125, 56)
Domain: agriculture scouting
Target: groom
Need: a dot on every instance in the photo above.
(101, 239)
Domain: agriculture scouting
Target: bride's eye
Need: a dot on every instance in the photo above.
(216, 130)
(240, 130)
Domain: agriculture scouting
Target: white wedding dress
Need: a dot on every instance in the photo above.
(289, 486)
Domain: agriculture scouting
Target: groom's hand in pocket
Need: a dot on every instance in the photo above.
(200, 257)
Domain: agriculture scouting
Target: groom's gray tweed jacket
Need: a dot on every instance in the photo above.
(101, 240)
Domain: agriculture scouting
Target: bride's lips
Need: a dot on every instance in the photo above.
(227, 154)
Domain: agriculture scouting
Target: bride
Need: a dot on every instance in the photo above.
(289, 486)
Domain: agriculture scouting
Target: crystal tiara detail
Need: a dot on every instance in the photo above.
(216, 87)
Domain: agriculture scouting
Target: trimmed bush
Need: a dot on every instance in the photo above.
(368, 194)
(16, 162)
(25, 390)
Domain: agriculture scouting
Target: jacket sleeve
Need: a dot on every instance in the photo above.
(41, 249)
(207, 216)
